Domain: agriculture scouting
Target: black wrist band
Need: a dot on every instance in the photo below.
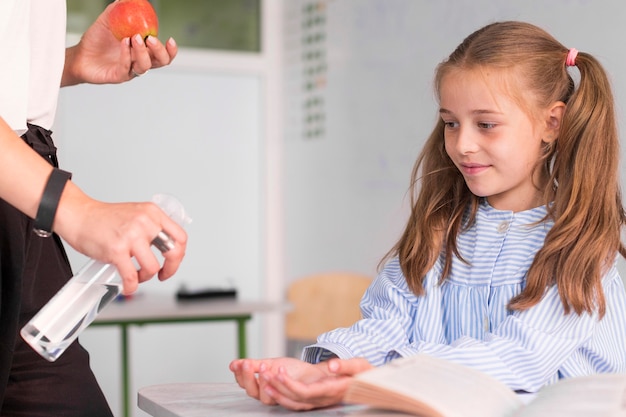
(50, 202)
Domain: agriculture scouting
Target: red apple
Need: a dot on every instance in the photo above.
(130, 17)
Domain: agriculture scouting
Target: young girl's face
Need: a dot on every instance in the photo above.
(491, 139)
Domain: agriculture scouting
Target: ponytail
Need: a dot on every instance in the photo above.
(585, 201)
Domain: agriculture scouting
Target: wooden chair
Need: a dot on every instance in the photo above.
(321, 303)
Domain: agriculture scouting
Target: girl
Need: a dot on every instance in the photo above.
(508, 261)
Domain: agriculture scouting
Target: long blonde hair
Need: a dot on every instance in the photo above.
(582, 191)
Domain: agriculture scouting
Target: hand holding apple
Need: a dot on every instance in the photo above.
(130, 17)
(100, 58)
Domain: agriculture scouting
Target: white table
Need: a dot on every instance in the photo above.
(159, 309)
(217, 400)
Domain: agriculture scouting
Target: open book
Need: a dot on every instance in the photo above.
(426, 386)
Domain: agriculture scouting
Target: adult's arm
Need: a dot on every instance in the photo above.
(112, 233)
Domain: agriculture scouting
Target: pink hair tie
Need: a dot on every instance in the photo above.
(570, 61)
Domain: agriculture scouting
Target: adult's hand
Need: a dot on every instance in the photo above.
(118, 232)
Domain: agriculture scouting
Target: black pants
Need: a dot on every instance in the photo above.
(32, 270)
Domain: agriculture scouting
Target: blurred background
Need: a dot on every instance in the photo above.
(288, 129)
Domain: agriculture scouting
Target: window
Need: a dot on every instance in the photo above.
(232, 25)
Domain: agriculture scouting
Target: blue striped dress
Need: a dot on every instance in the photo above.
(465, 319)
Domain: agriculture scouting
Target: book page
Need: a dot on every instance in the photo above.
(599, 395)
(429, 386)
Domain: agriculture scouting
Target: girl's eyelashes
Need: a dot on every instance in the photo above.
(450, 124)
(481, 125)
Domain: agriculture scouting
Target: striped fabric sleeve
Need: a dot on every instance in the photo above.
(526, 351)
(387, 310)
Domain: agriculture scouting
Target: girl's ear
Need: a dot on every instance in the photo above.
(554, 116)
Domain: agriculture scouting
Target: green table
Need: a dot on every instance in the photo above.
(159, 309)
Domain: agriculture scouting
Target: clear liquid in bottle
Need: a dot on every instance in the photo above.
(72, 309)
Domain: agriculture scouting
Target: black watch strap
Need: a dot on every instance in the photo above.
(50, 201)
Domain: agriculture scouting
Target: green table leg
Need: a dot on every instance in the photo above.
(124, 324)
(241, 336)
(125, 376)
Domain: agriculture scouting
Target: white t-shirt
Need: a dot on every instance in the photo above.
(32, 55)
